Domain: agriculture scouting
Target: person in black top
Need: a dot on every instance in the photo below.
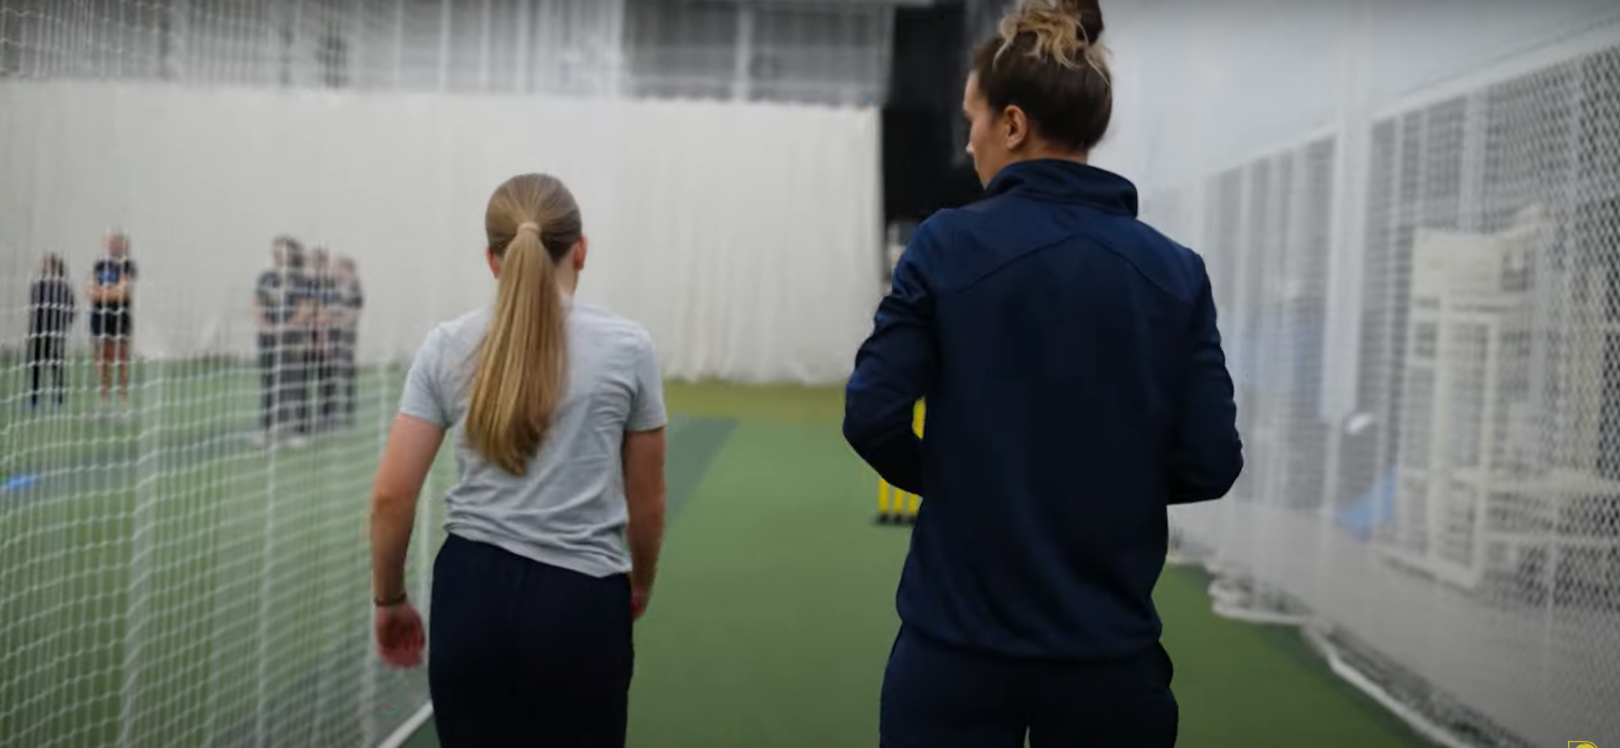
(111, 293)
(344, 314)
(279, 308)
(51, 308)
(322, 359)
(299, 344)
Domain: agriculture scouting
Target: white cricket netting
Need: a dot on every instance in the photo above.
(174, 573)
(1419, 283)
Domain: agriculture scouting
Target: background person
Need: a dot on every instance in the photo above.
(1075, 388)
(346, 333)
(276, 299)
(327, 309)
(112, 325)
(297, 342)
(51, 308)
(557, 514)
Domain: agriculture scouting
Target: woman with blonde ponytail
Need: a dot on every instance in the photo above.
(557, 513)
(1076, 388)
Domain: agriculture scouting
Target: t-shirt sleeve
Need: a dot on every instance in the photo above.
(647, 405)
(423, 397)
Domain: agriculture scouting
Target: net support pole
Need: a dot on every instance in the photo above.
(523, 35)
(261, 714)
(446, 16)
(176, 30)
(617, 83)
(1347, 221)
(743, 57)
(396, 74)
(486, 31)
(371, 670)
(142, 546)
(424, 523)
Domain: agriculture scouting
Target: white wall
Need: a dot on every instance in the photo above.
(746, 238)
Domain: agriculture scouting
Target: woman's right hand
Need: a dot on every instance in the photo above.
(400, 637)
(639, 596)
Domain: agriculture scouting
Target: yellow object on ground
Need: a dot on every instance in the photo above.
(894, 505)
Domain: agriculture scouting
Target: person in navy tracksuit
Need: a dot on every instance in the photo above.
(349, 300)
(112, 322)
(281, 312)
(322, 366)
(1075, 389)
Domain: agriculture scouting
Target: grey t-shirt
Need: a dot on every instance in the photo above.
(568, 509)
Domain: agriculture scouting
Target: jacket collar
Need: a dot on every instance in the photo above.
(1068, 182)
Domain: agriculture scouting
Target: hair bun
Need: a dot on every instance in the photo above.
(1064, 30)
(1087, 14)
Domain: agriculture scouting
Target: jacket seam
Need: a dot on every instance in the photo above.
(1082, 233)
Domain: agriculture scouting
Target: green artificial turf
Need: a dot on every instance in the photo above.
(164, 569)
(1241, 684)
(774, 611)
(774, 403)
(165, 582)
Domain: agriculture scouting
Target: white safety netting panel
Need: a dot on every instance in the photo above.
(172, 573)
(187, 563)
(1422, 314)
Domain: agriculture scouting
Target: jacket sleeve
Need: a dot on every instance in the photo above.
(895, 367)
(1207, 455)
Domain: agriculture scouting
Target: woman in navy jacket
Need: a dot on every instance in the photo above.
(1075, 388)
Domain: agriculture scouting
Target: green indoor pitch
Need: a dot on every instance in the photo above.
(775, 611)
(165, 581)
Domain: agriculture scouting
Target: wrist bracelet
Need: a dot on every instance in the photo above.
(390, 602)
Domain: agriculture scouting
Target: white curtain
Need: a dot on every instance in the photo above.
(745, 238)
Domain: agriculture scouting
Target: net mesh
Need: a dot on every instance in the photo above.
(170, 572)
(1423, 316)
(173, 576)
(834, 53)
(1424, 324)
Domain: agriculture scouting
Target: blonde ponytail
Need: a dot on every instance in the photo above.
(522, 364)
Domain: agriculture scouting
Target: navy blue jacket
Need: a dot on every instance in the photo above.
(1075, 389)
